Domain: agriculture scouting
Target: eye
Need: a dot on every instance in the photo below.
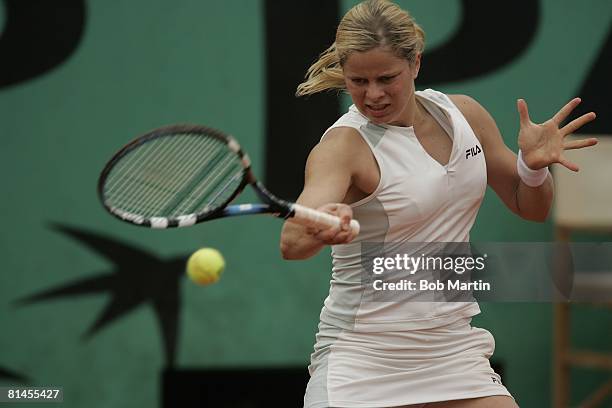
(358, 81)
(387, 78)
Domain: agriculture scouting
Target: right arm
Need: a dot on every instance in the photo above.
(331, 169)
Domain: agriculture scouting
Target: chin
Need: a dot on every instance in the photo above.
(382, 119)
(378, 121)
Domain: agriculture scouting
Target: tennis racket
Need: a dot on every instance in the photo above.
(180, 175)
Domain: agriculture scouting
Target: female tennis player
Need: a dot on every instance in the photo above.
(410, 166)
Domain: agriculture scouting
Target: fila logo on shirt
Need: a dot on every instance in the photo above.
(472, 151)
(495, 380)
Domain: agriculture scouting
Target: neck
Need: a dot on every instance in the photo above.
(419, 113)
(413, 114)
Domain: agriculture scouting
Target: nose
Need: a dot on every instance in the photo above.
(374, 91)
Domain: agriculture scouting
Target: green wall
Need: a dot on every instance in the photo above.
(142, 64)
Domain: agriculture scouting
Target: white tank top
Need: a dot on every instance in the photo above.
(418, 200)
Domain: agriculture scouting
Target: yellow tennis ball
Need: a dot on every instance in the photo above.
(205, 266)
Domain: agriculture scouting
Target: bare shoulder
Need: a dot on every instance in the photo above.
(341, 145)
(344, 138)
(471, 109)
(343, 158)
(481, 122)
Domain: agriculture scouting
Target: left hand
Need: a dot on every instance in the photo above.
(544, 144)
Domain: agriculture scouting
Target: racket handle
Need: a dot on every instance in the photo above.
(319, 219)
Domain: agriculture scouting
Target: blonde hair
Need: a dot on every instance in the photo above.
(368, 25)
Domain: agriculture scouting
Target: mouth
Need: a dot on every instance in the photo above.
(379, 109)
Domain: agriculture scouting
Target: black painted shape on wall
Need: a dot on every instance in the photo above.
(138, 278)
(38, 36)
(12, 376)
(490, 36)
(596, 93)
(295, 36)
(235, 388)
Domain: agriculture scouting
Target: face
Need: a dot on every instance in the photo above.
(382, 85)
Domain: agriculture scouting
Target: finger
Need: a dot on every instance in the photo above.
(564, 162)
(565, 111)
(523, 111)
(327, 235)
(578, 123)
(345, 213)
(330, 208)
(343, 237)
(345, 222)
(344, 210)
(579, 144)
(312, 230)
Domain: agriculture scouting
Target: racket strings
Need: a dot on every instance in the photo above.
(152, 174)
(174, 168)
(131, 172)
(211, 186)
(158, 177)
(209, 192)
(173, 176)
(127, 168)
(204, 165)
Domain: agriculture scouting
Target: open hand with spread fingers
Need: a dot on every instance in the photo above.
(544, 144)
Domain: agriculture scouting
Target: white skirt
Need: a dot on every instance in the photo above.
(370, 370)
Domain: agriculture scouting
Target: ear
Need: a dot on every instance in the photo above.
(416, 66)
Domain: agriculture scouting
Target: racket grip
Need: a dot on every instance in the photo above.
(319, 219)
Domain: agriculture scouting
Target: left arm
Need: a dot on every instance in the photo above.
(541, 145)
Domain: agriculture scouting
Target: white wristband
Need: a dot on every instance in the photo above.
(532, 178)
